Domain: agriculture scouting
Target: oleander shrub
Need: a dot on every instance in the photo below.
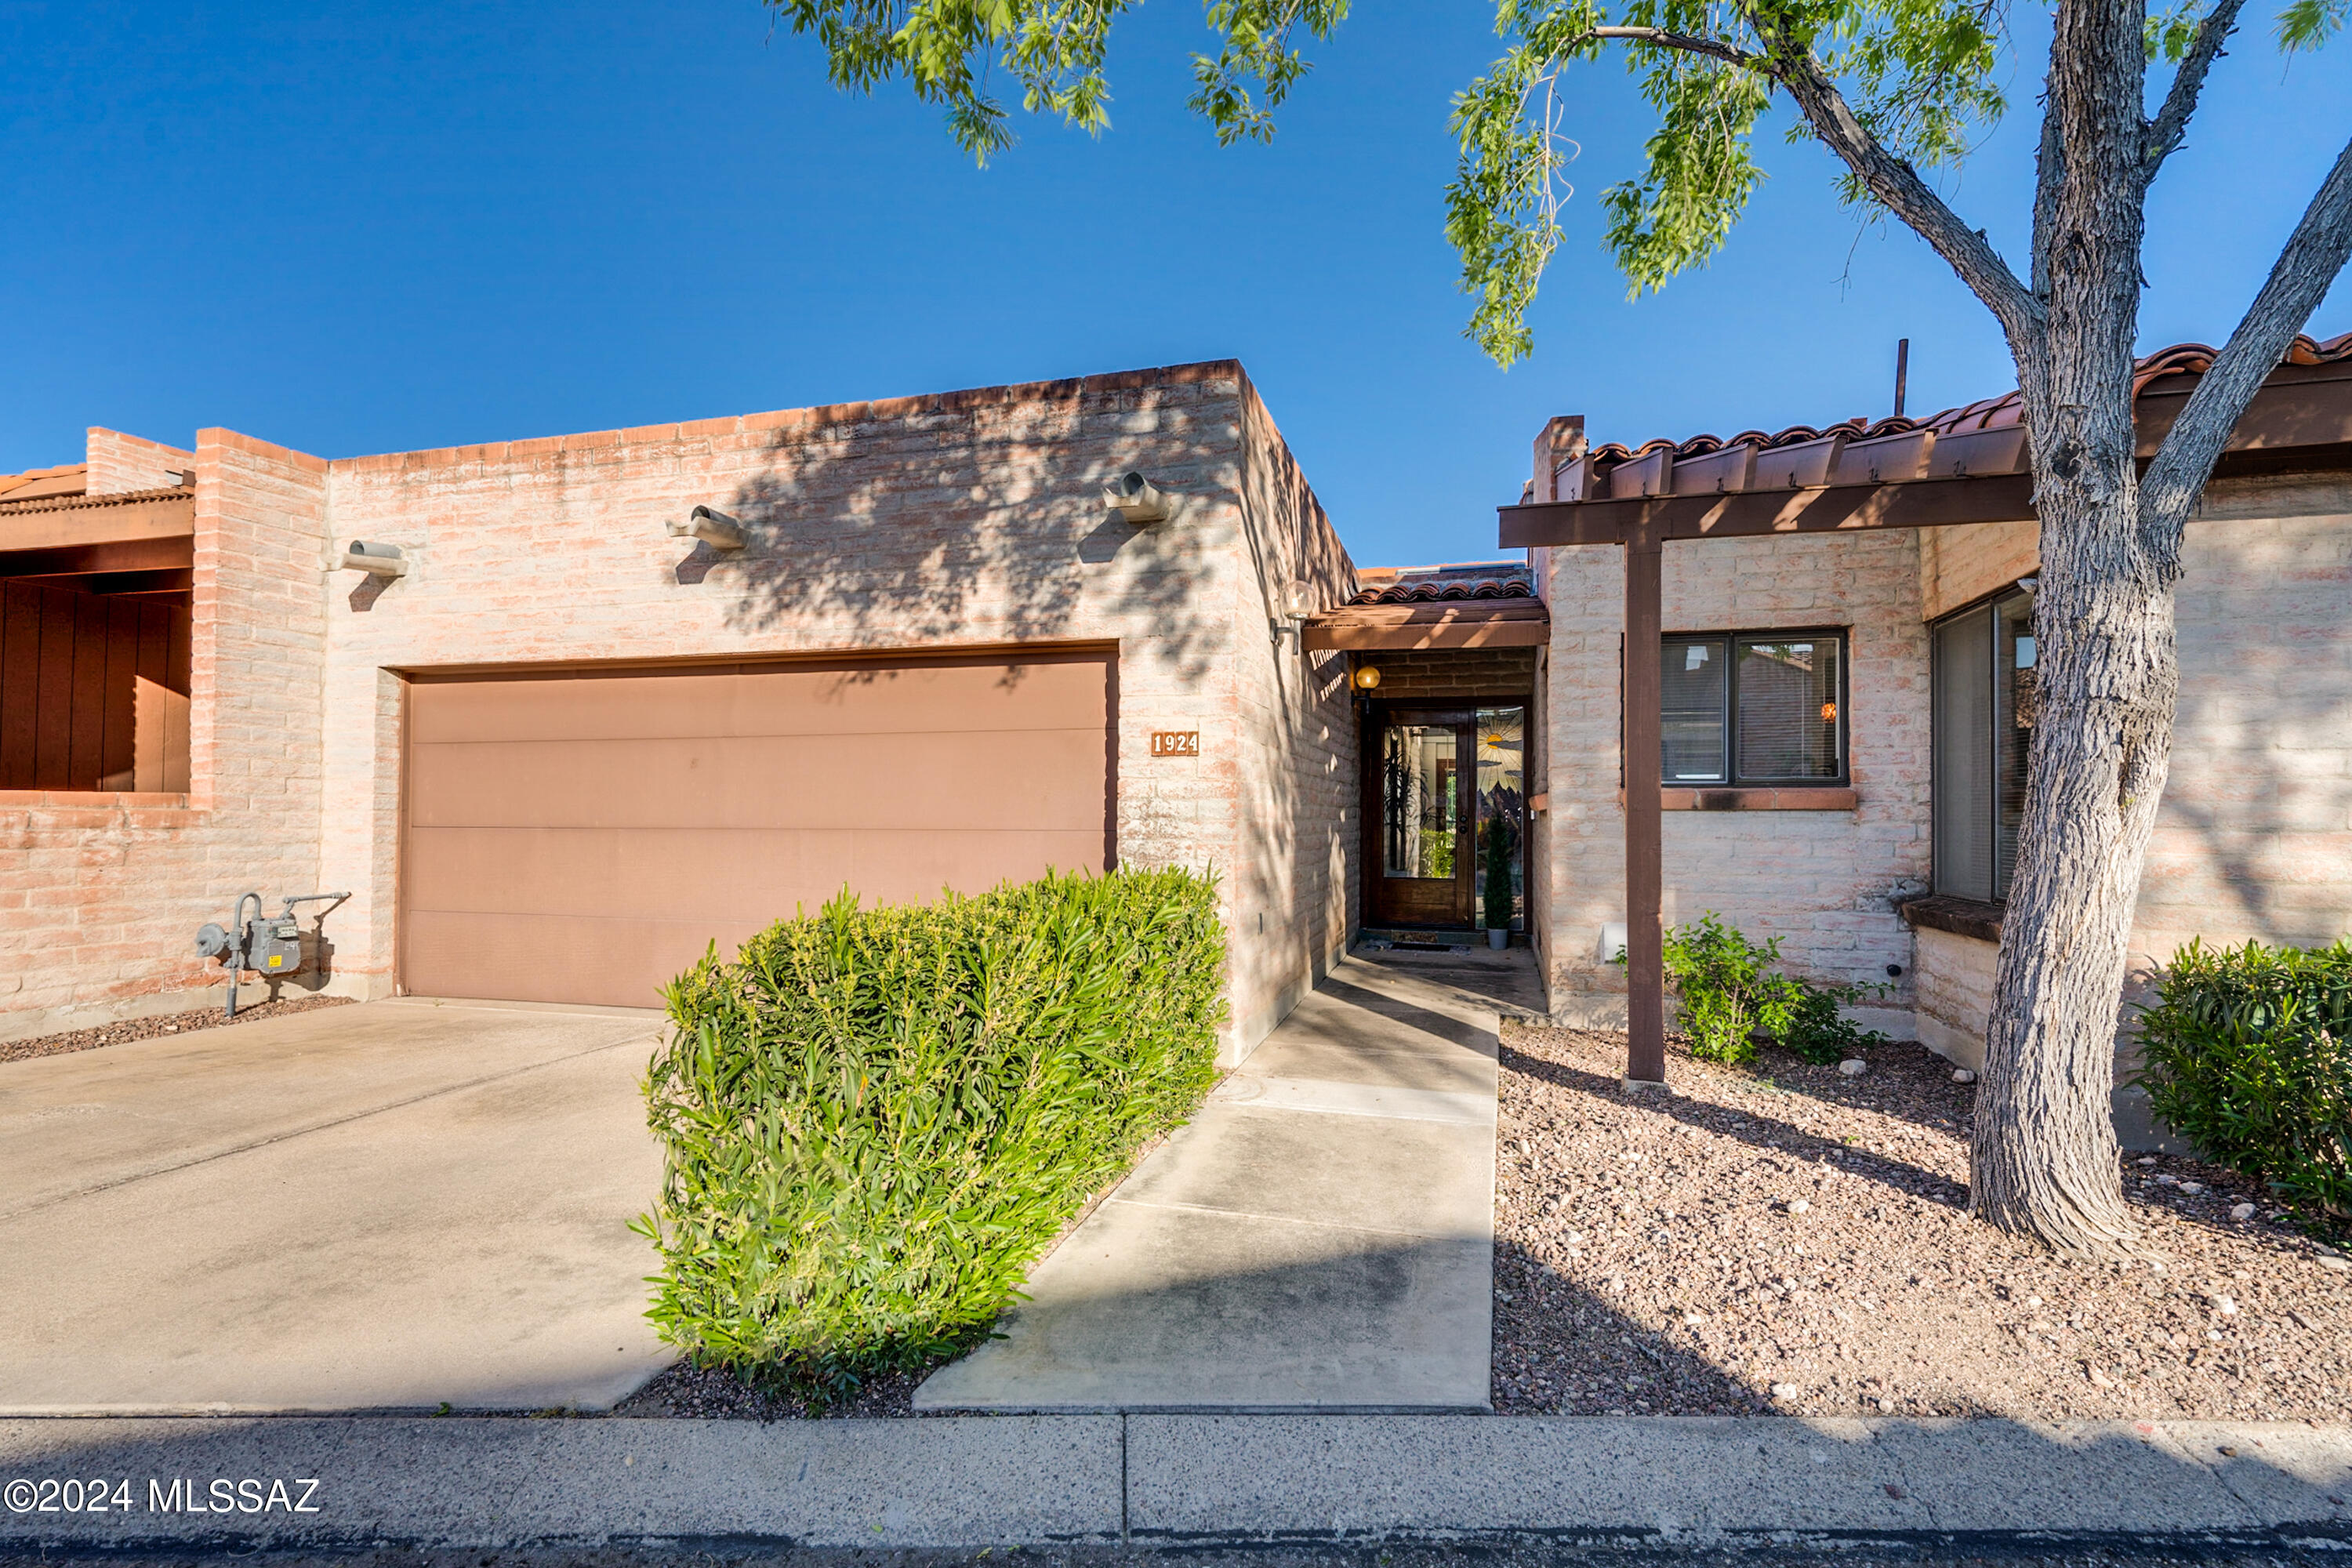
(1733, 993)
(874, 1121)
(2248, 1054)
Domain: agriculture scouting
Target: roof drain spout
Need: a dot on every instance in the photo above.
(375, 560)
(715, 529)
(1136, 500)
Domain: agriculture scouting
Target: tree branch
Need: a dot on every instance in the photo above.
(2299, 279)
(1896, 183)
(2049, 186)
(1692, 43)
(2164, 133)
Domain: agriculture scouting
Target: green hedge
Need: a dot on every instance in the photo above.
(2248, 1054)
(875, 1120)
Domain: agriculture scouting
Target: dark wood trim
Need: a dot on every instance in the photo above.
(64, 527)
(81, 560)
(1761, 515)
(1646, 1054)
(161, 580)
(1961, 917)
(1497, 623)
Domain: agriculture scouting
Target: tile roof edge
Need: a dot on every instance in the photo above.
(2179, 359)
(81, 502)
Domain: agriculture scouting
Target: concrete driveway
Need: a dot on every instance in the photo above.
(395, 1205)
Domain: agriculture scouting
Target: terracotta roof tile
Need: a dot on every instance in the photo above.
(13, 505)
(67, 480)
(1439, 585)
(1987, 414)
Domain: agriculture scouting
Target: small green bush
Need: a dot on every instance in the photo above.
(2248, 1054)
(1732, 991)
(1499, 876)
(874, 1121)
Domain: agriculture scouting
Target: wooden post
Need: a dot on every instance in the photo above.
(1645, 976)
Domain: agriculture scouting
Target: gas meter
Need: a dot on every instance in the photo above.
(272, 944)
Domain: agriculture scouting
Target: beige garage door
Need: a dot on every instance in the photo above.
(582, 837)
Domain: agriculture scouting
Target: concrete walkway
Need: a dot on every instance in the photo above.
(1660, 1482)
(387, 1206)
(1319, 1238)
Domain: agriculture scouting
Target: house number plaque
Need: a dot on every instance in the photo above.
(1175, 742)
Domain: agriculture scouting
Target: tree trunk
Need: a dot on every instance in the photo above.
(2044, 1159)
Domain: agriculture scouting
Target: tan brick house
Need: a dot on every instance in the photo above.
(1845, 690)
(563, 747)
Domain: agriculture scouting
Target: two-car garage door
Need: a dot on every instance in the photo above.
(582, 836)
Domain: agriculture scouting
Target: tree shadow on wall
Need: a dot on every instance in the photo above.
(969, 529)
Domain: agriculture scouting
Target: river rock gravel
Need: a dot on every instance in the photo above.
(127, 1029)
(1781, 1237)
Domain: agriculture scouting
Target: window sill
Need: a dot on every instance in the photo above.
(1961, 917)
(1751, 797)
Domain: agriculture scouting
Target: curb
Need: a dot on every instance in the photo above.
(1167, 1481)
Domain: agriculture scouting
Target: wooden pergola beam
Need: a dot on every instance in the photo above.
(1642, 526)
(62, 527)
(1473, 623)
(160, 554)
(1763, 514)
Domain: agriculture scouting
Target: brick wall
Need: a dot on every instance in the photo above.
(119, 463)
(100, 895)
(1959, 566)
(1818, 880)
(957, 520)
(1293, 888)
(1451, 675)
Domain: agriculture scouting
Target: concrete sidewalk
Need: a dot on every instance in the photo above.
(1166, 1480)
(1320, 1236)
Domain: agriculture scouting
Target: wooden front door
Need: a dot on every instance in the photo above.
(1424, 769)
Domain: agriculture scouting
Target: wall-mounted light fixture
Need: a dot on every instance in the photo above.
(1368, 678)
(715, 529)
(375, 560)
(1294, 615)
(1136, 500)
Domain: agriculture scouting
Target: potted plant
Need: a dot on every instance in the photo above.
(1498, 883)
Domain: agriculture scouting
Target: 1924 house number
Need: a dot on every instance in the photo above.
(1175, 742)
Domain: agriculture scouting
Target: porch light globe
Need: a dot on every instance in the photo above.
(1366, 677)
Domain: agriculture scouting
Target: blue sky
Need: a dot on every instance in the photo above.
(370, 226)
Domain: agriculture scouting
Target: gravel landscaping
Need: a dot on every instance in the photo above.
(688, 1391)
(162, 1024)
(1781, 1237)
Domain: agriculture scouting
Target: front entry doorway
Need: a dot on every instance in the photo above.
(1450, 802)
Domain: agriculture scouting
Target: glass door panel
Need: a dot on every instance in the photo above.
(1427, 769)
(1502, 806)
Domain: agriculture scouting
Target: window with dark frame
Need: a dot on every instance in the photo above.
(1753, 708)
(1982, 732)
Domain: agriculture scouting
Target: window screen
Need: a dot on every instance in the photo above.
(1963, 764)
(1692, 685)
(1788, 708)
(1767, 707)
